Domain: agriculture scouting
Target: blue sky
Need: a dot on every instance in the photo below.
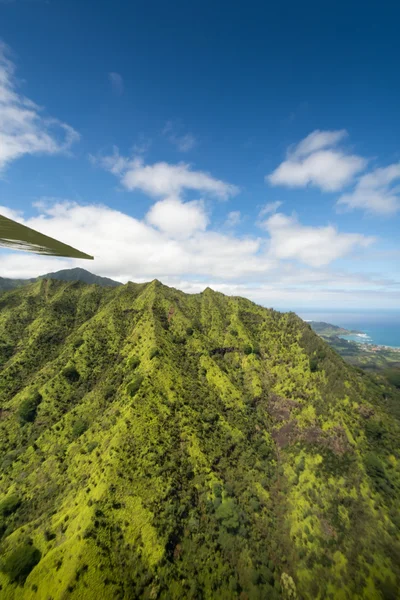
(248, 147)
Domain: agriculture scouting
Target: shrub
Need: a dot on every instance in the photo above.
(79, 428)
(375, 430)
(154, 352)
(20, 563)
(28, 408)
(227, 514)
(91, 446)
(374, 466)
(393, 376)
(134, 362)
(9, 505)
(71, 374)
(49, 535)
(109, 392)
(134, 385)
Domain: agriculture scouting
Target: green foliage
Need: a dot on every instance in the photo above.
(230, 467)
(20, 562)
(28, 408)
(49, 535)
(393, 376)
(227, 514)
(134, 362)
(375, 430)
(133, 386)
(71, 374)
(79, 427)
(9, 505)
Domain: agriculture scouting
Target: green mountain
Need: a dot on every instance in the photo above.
(327, 330)
(9, 284)
(160, 445)
(76, 274)
(79, 274)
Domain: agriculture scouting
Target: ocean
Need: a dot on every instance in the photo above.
(382, 328)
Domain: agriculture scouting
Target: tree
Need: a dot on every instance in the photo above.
(20, 562)
(28, 408)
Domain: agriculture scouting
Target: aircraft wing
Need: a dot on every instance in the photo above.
(19, 237)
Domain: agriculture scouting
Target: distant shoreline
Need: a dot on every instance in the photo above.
(361, 338)
(369, 345)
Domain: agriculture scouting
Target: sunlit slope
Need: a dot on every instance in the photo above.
(155, 444)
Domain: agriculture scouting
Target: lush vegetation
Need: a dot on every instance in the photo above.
(161, 445)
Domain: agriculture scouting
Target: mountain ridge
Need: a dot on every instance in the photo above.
(75, 274)
(157, 444)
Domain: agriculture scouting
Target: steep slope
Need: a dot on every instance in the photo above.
(155, 444)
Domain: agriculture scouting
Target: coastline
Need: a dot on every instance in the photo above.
(371, 346)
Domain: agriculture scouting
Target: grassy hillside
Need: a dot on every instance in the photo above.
(155, 444)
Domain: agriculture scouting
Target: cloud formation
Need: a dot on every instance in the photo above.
(178, 219)
(163, 179)
(287, 266)
(184, 142)
(233, 218)
(117, 83)
(377, 192)
(23, 128)
(313, 246)
(173, 240)
(316, 161)
(269, 208)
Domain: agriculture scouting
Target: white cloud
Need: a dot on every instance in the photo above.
(178, 219)
(163, 179)
(23, 129)
(11, 213)
(265, 269)
(114, 163)
(303, 297)
(173, 241)
(184, 142)
(269, 208)
(128, 248)
(117, 83)
(375, 192)
(317, 140)
(314, 246)
(233, 218)
(317, 162)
